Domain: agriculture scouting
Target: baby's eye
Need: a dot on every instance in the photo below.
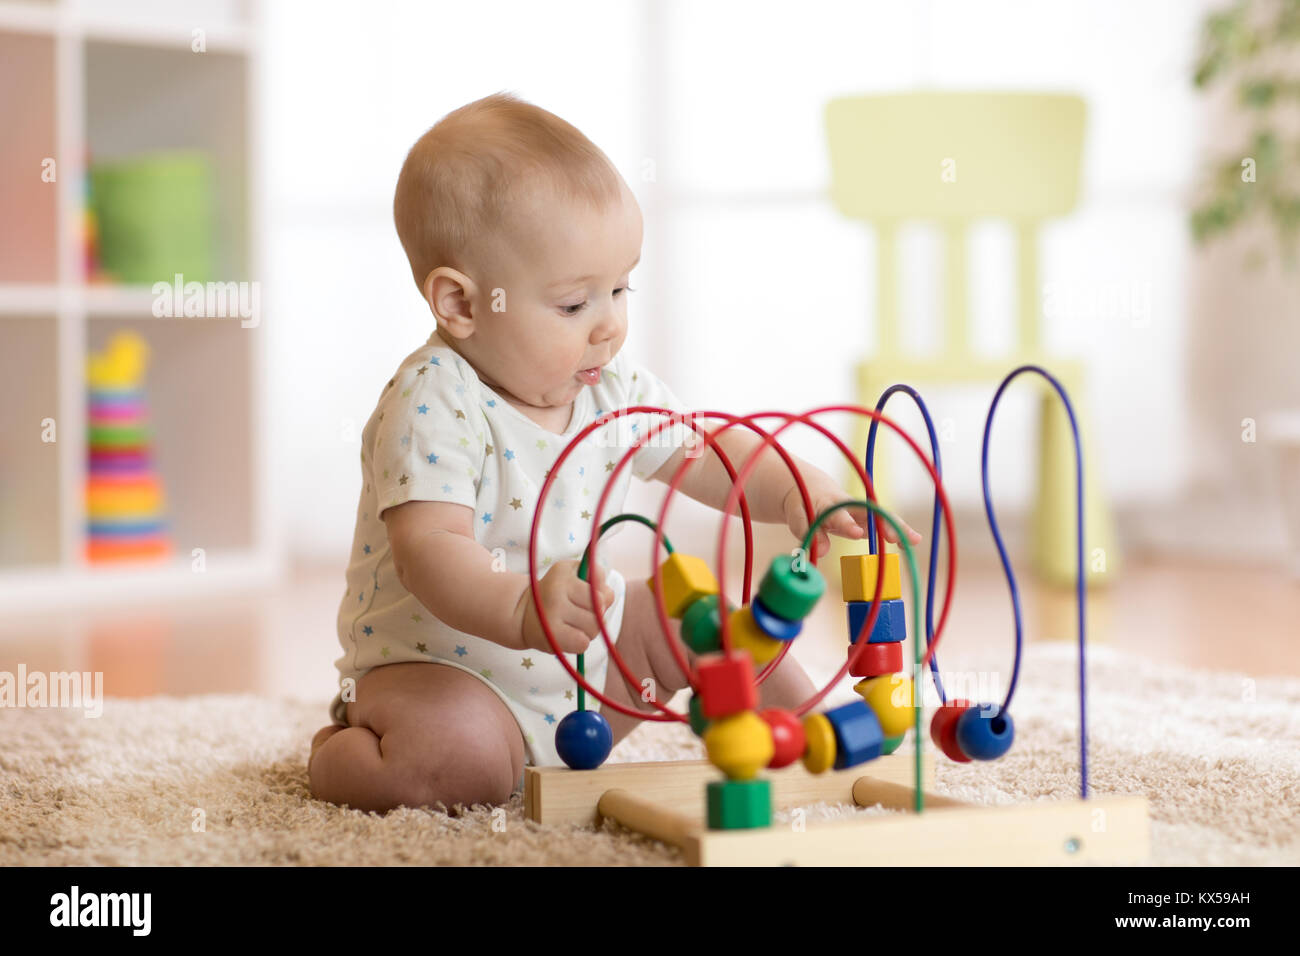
(626, 288)
(573, 309)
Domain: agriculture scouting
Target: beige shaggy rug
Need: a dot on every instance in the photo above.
(222, 779)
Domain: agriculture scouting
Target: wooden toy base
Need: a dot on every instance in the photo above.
(665, 800)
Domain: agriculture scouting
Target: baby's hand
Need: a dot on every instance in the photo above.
(567, 601)
(846, 522)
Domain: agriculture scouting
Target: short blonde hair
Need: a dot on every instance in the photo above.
(461, 177)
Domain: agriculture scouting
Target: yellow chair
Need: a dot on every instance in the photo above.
(955, 158)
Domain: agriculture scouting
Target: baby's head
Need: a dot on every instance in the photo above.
(521, 234)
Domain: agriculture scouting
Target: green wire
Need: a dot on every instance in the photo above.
(582, 576)
(916, 608)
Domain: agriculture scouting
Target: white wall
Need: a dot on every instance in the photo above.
(754, 294)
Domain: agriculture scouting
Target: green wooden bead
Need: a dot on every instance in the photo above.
(696, 712)
(789, 593)
(892, 743)
(739, 804)
(701, 627)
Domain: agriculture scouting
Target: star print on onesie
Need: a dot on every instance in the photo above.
(438, 433)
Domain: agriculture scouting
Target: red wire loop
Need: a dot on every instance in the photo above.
(734, 498)
(672, 417)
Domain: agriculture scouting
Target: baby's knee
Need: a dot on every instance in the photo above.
(410, 767)
(459, 753)
(424, 736)
(458, 765)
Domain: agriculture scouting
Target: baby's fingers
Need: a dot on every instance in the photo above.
(580, 595)
(843, 524)
(892, 536)
(570, 639)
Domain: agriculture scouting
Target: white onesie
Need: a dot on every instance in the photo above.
(440, 434)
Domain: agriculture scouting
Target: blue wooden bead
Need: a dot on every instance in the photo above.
(771, 625)
(891, 622)
(858, 735)
(985, 732)
(584, 739)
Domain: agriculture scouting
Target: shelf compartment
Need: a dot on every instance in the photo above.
(144, 100)
(28, 148)
(199, 386)
(29, 464)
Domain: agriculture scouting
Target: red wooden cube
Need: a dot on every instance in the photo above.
(726, 684)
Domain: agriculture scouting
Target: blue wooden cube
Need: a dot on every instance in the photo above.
(858, 735)
(891, 624)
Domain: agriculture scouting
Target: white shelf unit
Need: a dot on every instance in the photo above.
(83, 79)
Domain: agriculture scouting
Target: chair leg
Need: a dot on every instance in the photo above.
(1053, 522)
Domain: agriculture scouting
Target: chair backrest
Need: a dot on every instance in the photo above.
(956, 157)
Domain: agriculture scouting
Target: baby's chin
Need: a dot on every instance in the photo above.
(556, 395)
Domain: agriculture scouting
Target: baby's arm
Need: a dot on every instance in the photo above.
(770, 489)
(438, 560)
(707, 481)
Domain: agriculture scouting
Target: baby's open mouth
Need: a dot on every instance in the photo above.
(589, 376)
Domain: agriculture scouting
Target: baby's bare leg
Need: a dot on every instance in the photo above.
(420, 734)
(643, 646)
(787, 687)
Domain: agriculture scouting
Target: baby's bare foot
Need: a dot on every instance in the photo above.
(322, 735)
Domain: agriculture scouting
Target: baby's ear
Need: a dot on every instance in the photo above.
(448, 294)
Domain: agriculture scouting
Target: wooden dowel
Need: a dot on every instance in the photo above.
(868, 791)
(643, 816)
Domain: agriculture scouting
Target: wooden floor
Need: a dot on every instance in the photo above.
(282, 640)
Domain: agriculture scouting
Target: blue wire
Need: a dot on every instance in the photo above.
(1006, 562)
(935, 527)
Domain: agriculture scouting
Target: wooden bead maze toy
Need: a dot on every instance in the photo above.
(719, 810)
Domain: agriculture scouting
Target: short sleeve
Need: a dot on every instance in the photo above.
(645, 388)
(429, 437)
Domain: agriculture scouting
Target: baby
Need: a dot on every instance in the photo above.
(521, 236)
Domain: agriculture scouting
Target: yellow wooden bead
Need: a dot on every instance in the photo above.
(740, 745)
(890, 696)
(858, 577)
(819, 743)
(747, 635)
(686, 578)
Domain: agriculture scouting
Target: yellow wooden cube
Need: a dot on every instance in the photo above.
(686, 578)
(858, 577)
(747, 635)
